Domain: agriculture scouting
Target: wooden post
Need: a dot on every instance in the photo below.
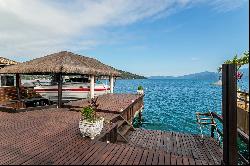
(113, 137)
(140, 117)
(92, 86)
(245, 97)
(60, 81)
(111, 80)
(212, 131)
(18, 83)
(212, 128)
(229, 113)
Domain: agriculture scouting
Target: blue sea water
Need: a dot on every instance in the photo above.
(170, 104)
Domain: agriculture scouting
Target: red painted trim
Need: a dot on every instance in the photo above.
(74, 90)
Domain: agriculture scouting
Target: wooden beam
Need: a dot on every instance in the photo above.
(243, 136)
(212, 131)
(60, 81)
(229, 114)
(18, 83)
(219, 117)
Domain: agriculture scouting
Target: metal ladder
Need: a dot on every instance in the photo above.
(205, 119)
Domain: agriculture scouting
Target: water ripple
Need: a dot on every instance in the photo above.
(170, 105)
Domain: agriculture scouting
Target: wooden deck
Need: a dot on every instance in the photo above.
(124, 104)
(52, 136)
(179, 144)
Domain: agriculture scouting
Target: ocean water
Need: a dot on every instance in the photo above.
(170, 105)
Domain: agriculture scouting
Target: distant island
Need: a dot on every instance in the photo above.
(206, 75)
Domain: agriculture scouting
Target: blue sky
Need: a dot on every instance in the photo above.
(162, 38)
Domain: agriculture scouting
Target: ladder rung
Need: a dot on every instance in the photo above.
(205, 123)
(201, 113)
(205, 118)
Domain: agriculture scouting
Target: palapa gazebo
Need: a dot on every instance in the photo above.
(3, 63)
(62, 63)
(6, 62)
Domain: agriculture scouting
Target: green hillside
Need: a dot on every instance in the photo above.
(128, 75)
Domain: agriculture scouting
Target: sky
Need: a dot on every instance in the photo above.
(146, 37)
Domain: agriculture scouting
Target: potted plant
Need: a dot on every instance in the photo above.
(140, 90)
(90, 125)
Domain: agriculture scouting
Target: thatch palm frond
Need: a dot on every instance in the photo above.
(5, 61)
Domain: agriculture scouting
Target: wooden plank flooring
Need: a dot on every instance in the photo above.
(52, 136)
(114, 103)
(177, 144)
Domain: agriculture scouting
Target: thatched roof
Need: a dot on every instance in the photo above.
(5, 61)
(64, 62)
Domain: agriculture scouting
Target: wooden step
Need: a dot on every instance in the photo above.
(120, 123)
(123, 130)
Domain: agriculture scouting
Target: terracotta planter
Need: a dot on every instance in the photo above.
(89, 129)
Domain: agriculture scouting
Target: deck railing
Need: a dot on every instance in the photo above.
(130, 111)
(243, 111)
(244, 137)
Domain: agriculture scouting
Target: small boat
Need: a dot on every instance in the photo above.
(36, 82)
(72, 89)
(219, 83)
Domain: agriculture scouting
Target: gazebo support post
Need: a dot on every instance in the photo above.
(18, 83)
(92, 86)
(111, 81)
(60, 81)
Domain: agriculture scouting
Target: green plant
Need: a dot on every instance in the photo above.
(140, 87)
(88, 113)
(238, 61)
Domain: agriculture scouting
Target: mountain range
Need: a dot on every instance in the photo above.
(206, 75)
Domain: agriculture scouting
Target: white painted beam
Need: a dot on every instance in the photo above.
(111, 79)
(92, 86)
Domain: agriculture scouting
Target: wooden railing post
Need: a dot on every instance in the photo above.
(229, 114)
(245, 97)
(212, 131)
(18, 89)
(60, 81)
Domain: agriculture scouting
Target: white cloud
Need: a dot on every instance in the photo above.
(37, 27)
(227, 5)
